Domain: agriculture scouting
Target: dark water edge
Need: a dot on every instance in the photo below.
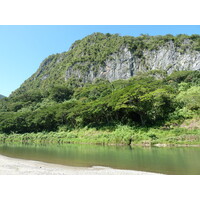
(168, 160)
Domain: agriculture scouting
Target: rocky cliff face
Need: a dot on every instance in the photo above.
(112, 57)
(124, 64)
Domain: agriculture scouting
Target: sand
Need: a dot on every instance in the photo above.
(13, 166)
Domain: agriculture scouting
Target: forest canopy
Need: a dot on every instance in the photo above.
(144, 100)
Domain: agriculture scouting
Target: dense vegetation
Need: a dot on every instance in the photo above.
(151, 107)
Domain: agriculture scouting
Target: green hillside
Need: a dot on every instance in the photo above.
(143, 110)
(91, 53)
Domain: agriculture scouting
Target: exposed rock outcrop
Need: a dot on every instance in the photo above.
(124, 64)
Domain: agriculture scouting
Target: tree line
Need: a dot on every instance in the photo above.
(147, 99)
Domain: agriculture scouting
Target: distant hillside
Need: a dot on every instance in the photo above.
(1, 96)
(113, 57)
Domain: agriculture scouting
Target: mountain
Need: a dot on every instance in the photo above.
(76, 96)
(113, 57)
(1, 96)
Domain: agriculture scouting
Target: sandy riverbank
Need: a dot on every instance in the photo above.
(13, 166)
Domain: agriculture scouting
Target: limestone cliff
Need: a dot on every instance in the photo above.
(124, 64)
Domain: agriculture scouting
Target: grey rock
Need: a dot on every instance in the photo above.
(124, 64)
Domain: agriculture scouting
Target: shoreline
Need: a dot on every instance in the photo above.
(121, 136)
(15, 166)
(110, 144)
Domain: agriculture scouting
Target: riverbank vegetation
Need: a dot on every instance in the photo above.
(150, 108)
(121, 135)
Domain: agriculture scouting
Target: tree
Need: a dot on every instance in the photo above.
(146, 98)
(60, 93)
(190, 98)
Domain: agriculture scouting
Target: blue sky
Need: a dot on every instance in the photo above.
(22, 48)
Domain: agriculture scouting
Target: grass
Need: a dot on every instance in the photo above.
(121, 135)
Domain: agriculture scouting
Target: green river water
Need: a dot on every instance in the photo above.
(176, 160)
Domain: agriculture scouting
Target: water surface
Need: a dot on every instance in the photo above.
(174, 160)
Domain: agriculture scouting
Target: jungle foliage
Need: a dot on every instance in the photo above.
(142, 101)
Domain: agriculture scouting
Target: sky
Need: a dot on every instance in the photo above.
(23, 48)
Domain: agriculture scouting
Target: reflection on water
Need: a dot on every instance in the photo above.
(162, 160)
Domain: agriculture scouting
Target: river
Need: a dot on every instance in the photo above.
(176, 160)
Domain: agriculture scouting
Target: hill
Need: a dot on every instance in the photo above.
(1, 96)
(113, 57)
